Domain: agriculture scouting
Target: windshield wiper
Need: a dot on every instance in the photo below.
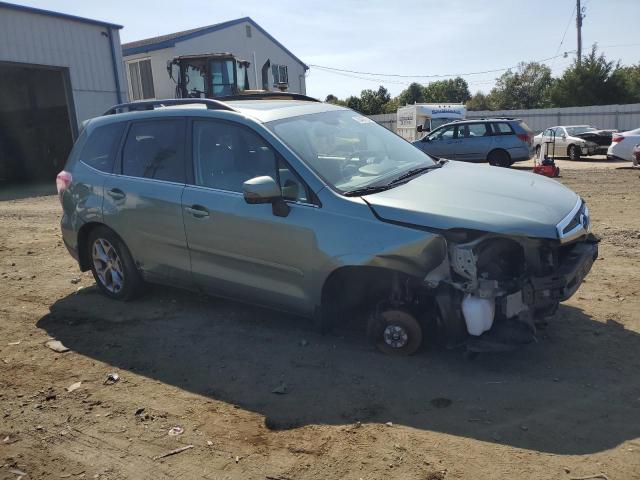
(413, 172)
(366, 190)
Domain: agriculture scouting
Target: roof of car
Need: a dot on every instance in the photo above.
(262, 110)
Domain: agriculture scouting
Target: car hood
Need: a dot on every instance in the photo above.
(478, 197)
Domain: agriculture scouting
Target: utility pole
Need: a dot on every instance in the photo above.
(579, 28)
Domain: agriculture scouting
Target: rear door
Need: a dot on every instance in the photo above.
(143, 198)
(503, 136)
(240, 250)
(474, 140)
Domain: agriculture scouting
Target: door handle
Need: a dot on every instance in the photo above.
(116, 194)
(197, 211)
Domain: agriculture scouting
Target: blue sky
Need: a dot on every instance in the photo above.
(393, 37)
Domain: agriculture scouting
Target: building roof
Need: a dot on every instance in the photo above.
(169, 40)
(50, 13)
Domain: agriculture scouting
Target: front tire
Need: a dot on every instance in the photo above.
(112, 266)
(499, 158)
(573, 152)
(395, 332)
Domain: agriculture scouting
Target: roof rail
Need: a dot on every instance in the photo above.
(169, 102)
(269, 96)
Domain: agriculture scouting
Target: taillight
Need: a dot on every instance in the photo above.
(525, 137)
(617, 138)
(63, 180)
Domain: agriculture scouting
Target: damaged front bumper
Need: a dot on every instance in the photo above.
(497, 308)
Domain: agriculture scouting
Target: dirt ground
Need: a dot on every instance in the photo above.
(258, 395)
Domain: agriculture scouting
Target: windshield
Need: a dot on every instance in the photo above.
(578, 130)
(347, 150)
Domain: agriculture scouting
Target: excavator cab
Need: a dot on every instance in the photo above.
(209, 75)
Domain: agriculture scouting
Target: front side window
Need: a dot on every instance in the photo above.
(222, 77)
(155, 150)
(347, 150)
(101, 146)
(227, 155)
(445, 133)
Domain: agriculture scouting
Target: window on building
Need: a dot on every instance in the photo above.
(280, 74)
(247, 29)
(140, 79)
(154, 149)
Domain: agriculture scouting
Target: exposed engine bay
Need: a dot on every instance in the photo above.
(490, 291)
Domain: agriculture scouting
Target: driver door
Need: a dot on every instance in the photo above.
(442, 142)
(240, 250)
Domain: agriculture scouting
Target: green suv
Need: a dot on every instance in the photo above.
(287, 202)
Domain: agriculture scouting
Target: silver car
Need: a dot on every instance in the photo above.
(311, 208)
(499, 141)
(573, 141)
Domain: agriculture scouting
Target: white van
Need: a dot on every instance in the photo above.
(424, 117)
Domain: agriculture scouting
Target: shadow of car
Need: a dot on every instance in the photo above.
(574, 392)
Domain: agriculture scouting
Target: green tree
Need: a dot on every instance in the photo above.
(331, 98)
(479, 101)
(594, 81)
(527, 87)
(452, 90)
(354, 103)
(372, 101)
(414, 93)
(629, 78)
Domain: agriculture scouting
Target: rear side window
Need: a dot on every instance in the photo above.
(502, 128)
(155, 150)
(100, 148)
(525, 127)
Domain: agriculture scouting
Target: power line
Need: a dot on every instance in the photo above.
(397, 75)
(573, 10)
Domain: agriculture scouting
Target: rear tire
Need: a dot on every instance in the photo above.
(573, 152)
(112, 266)
(499, 158)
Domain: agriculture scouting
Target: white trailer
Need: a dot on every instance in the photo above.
(419, 117)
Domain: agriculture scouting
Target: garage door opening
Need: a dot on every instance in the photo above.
(35, 123)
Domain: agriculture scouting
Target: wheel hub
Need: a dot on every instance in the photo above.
(395, 336)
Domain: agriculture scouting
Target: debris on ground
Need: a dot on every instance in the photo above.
(441, 402)
(280, 389)
(111, 378)
(17, 342)
(56, 346)
(75, 281)
(173, 452)
(175, 431)
(73, 387)
(389, 424)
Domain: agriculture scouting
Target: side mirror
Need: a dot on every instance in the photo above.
(265, 190)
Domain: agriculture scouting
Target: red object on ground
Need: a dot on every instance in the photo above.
(547, 170)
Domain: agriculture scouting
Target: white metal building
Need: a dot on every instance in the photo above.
(146, 60)
(56, 70)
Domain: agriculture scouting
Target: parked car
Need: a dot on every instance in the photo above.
(622, 145)
(256, 200)
(499, 141)
(574, 141)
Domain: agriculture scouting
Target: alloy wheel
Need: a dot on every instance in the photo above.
(108, 265)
